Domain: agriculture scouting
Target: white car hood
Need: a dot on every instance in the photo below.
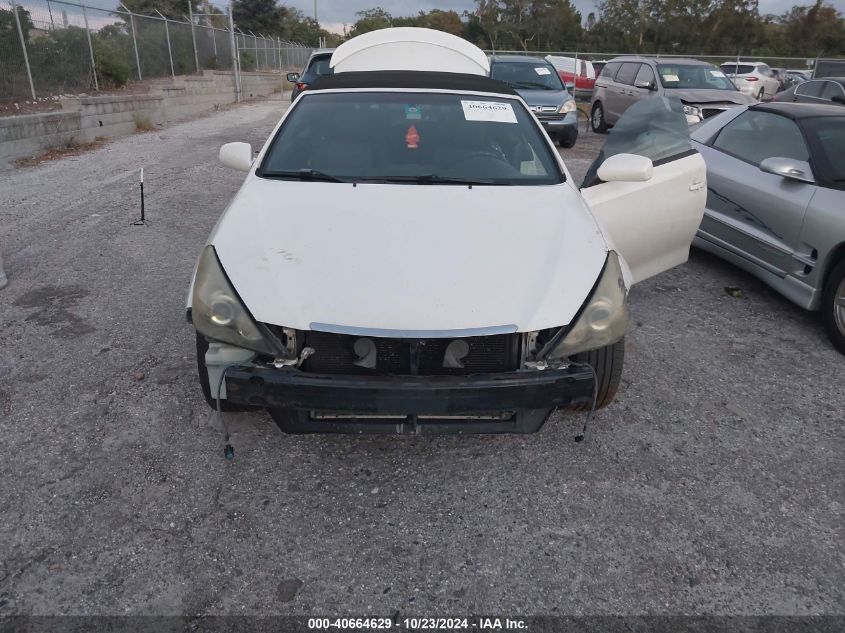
(398, 259)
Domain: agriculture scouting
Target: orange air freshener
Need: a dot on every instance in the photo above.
(412, 137)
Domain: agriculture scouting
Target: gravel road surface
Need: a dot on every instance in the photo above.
(714, 483)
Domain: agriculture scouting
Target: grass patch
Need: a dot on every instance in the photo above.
(71, 148)
(143, 123)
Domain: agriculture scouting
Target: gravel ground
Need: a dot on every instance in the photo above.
(714, 483)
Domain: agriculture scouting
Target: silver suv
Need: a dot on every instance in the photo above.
(704, 90)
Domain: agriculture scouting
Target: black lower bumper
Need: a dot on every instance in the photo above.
(354, 399)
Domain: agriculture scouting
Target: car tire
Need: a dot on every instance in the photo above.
(567, 143)
(225, 405)
(597, 121)
(607, 363)
(833, 306)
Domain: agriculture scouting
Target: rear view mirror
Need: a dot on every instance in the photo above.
(626, 168)
(788, 168)
(237, 156)
(292, 77)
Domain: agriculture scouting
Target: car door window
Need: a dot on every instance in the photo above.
(810, 89)
(831, 89)
(755, 136)
(610, 70)
(645, 76)
(627, 73)
(827, 137)
(655, 128)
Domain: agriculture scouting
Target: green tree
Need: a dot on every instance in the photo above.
(258, 16)
(371, 20)
(174, 9)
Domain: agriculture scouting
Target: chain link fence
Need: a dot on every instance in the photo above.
(56, 47)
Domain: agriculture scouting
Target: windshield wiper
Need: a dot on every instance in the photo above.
(533, 86)
(428, 179)
(303, 174)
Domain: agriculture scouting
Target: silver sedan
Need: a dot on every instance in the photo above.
(776, 201)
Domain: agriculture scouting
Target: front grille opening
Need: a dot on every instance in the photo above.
(335, 416)
(335, 354)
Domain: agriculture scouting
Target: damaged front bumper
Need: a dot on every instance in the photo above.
(509, 402)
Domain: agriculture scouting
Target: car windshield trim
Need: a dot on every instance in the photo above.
(428, 179)
(304, 174)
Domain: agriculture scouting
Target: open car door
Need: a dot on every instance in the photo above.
(651, 218)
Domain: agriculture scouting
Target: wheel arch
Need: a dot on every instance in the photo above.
(837, 254)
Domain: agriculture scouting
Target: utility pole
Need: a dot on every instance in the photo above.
(315, 12)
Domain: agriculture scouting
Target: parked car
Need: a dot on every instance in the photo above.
(703, 89)
(776, 195)
(316, 66)
(785, 81)
(536, 80)
(752, 78)
(577, 74)
(799, 75)
(830, 90)
(408, 253)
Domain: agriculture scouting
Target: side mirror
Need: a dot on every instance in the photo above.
(237, 156)
(788, 168)
(626, 168)
(648, 85)
(293, 77)
(838, 99)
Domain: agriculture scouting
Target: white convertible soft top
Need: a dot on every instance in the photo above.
(410, 48)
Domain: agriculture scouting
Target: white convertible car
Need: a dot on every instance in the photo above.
(408, 252)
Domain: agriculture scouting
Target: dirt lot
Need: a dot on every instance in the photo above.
(713, 484)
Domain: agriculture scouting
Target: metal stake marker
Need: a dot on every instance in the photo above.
(142, 221)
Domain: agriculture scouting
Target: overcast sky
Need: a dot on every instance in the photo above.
(335, 13)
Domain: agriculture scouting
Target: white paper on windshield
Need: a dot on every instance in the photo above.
(542, 71)
(488, 111)
(671, 77)
(717, 73)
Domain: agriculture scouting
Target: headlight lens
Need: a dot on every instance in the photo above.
(692, 111)
(218, 313)
(567, 107)
(604, 318)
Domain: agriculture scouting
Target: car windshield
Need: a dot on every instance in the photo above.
(693, 77)
(411, 137)
(737, 69)
(527, 75)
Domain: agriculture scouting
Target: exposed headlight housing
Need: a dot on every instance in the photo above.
(218, 313)
(692, 111)
(567, 107)
(603, 319)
